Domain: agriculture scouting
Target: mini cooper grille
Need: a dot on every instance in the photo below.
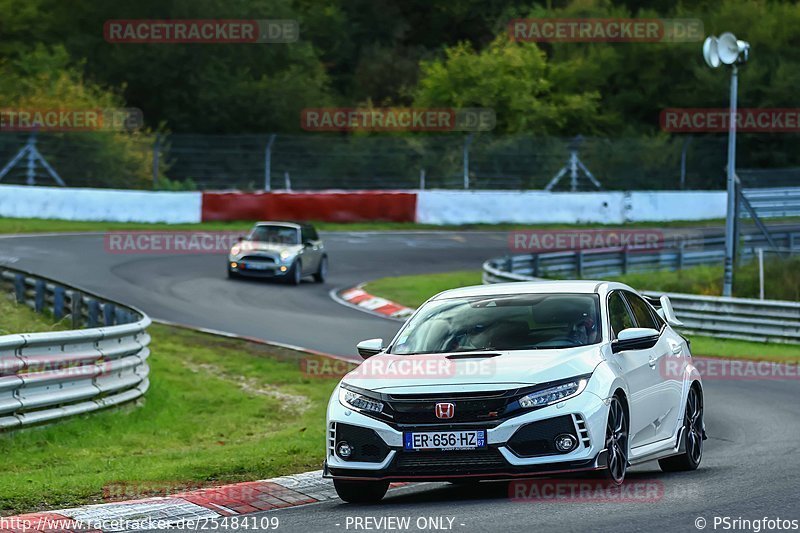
(443, 463)
(259, 259)
(367, 445)
(537, 438)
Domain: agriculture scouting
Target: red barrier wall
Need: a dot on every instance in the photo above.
(355, 206)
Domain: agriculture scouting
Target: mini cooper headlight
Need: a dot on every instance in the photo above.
(235, 250)
(286, 254)
(359, 402)
(554, 394)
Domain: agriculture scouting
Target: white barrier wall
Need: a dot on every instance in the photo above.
(67, 203)
(540, 207)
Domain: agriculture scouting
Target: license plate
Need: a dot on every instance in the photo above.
(444, 440)
(256, 266)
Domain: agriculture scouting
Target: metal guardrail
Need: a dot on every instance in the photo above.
(52, 375)
(602, 262)
(774, 201)
(737, 318)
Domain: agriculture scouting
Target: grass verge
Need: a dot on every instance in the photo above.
(36, 225)
(218, 410)
(414, 290)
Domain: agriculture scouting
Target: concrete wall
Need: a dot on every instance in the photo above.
(68, 203)
(432, 207)
(534, 207)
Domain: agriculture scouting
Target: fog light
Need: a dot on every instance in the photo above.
(234, 265)
(565, 443)
(284, 269)
(344, 450)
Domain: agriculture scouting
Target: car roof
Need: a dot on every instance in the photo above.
(534, 287)
(296, 225)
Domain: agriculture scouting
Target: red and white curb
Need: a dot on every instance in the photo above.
(186, 509)
(360, 299)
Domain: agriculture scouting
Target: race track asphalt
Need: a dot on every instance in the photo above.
(750, 469)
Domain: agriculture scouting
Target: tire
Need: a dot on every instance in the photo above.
(295, 275)
(693, 431)
(361, 491)
(322, 271)
(616, 443)
(232, 274)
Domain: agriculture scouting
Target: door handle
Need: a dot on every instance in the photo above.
(677, 349)
(652, 362)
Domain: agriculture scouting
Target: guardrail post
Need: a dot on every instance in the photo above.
(58, 302)
(38, 299)
(19, 288)
(535, 265)
(108, 314)
(579, 263)
(680, 256)
(625, 260)
(94, 310)
(509, 267)
(76, 301)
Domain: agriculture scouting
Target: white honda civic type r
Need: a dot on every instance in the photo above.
(517, 380)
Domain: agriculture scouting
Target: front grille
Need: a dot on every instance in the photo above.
(259, 259)
(469, 407)
(456, 462)
(367, 445)
(536, 439)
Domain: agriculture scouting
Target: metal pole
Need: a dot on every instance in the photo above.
(31, 178)
(268, 163)
(467, 142)
(422, 179)
(156, 153)
(683, 161)
(573, 171)
(761, 273)
(730, 220)
(287, 181)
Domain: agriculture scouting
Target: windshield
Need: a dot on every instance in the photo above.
(275, 235)
(518, 322)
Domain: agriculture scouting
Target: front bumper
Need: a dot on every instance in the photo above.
(503, 458)
(258, 269)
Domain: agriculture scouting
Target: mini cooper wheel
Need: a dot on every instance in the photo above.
(232, 274)
(360, 491)
(693, 437)
(616, 442)
(322, 270)
(294, 276)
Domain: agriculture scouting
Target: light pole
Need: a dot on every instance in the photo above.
(730, 51)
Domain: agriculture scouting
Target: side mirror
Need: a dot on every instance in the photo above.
(308, 244)
(635, 339)
(240, 238)
(368, 348)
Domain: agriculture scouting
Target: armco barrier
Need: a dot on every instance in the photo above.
(46, 376)
(737, 318)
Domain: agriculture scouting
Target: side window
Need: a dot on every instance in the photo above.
(311, 233)
(641, 311)
(618, 314)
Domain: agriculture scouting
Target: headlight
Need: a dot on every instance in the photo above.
(235, 250)
(555, 394)
(359, 402)
(286, 254)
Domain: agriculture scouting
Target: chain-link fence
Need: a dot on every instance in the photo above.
(323, 161)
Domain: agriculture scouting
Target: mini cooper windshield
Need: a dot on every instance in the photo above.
(275, 234)
(517, 322)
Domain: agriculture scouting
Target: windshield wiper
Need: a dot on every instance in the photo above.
(472, 355)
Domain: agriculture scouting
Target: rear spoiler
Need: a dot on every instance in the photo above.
(664, 308)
